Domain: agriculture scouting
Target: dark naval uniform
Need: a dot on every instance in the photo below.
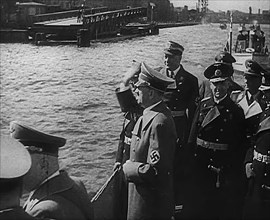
(257, 204)
(219, 155)
(181, 98)
(149, 170)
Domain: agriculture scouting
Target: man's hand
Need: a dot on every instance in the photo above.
(249, 170)
(116, 166)
(132, 73)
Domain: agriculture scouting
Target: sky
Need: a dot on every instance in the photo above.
(224, 5)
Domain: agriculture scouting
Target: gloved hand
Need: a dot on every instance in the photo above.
(249, 170)
(133, 73)
(116, 166)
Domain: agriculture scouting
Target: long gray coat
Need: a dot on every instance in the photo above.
(149, 171)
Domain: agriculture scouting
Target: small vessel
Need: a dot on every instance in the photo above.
(223, 26)
(250, 44)
(140, 29)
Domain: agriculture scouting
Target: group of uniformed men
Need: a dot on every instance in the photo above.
(216, 154)
(185, 151)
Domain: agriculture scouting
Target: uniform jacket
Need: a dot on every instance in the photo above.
(252, 110)
(150, 171)
(60, 198)
(182, 97)
(15, 214)
(223, 123)
(258, 197)
(132, 111)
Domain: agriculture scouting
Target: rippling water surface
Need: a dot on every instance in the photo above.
(69, 91)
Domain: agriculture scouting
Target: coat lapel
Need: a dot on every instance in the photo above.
(57, 184)
(151, 114)
(250, 110)
(212, 114)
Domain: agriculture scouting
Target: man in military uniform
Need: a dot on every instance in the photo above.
(258, 172)
(149, 169)
(221, 57)
(15, 162)
(181, 98)
(265, 88)
(220, 151)
(251, 99)
(132, 111)
(53, 194)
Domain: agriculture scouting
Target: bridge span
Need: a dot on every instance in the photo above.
(96, 25)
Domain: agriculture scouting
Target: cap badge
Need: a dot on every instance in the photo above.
(218, 73)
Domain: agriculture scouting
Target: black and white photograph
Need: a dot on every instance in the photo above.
(135, 109)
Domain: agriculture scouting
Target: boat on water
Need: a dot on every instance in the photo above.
(223, 26)
(250, 44)
(139, 28)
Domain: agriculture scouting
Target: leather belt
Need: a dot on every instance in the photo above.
(178, 113)
(127, 140)
(261, 157)
(211, 145)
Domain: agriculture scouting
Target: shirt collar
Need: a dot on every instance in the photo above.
(220, 100)
(176, 70)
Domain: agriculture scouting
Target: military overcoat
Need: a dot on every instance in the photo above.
(149, 172)
(257, 204)
(60, 198)
(218, 170)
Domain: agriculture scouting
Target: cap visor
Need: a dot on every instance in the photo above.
(264, 87)
(218, 79)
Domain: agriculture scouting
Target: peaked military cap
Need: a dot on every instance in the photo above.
(174, 49)
(225, 57)
(36, 140)
(152, 78)
(253, 68)
(218, 72)
(15, 160)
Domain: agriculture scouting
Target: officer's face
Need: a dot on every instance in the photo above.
(143, 95)
(219, 89)
(172, 62)
(253, 82)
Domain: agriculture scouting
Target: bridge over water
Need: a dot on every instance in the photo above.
(96, 25)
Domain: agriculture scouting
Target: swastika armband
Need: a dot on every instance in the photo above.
(154, 157)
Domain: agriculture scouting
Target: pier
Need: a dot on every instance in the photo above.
(93, 26)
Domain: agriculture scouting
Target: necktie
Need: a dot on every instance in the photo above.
(250, 100)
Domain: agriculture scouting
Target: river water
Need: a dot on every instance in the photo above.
(69, 91)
